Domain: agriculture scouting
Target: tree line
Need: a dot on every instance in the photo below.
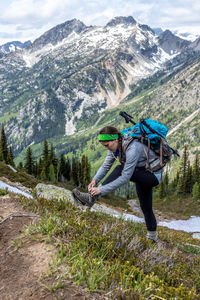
(48, 166)
(186, 181)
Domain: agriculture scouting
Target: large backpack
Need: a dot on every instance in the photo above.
(152, 134)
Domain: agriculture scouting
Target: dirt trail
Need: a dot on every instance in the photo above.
(22, 269)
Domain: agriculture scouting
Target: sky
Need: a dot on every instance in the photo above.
(24, 20)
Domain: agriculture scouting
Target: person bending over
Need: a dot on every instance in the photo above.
(131, 168)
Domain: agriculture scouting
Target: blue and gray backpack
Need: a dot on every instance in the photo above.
(152, 134)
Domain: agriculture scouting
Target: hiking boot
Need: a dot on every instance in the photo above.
(83, 198)
(152, 235)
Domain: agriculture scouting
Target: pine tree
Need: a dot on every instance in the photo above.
(62, 165)
(181, 186)
(79, 171)
(40, 167)
(35, 169)
(195, 170)
(20, 165)
(166, 179)
(53, 160)
(10, 158)
(195, 191)
(87, 171)
(188, 182)
(29, 161)
(45, 159)
(68, 169)
(161, 190)
(75, 171)
(1, 154)
(82, 169)
(43, 174)
(52, 173)
(4, 147)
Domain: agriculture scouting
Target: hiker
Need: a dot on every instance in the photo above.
(131, 168)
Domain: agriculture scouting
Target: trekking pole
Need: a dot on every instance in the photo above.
(127, 117)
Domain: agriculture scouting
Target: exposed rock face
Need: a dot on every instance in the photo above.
(58, 33)
(121, 20)
(172, 44)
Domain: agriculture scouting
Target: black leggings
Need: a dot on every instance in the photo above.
(144, 181)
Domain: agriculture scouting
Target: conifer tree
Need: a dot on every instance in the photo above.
(45, 158)
(62, 165)
(161, 190)
(195, 191)
(87, 171)
(52, 173)
(166, 179)
(58, 174)
(35, 169)
(40, 167)
(43, 174)
(1, 154)
(10, 158)
(4, 147)
(68, 169)
(80, 175)
(75, 171)
(53, 160)
(82, 169)
(181, 186)
(29, 161)
(20, 165)
(188, 182)
(196, 168)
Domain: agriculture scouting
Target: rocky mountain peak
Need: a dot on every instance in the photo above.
(171, 43)
(59, 32)
(121, 20)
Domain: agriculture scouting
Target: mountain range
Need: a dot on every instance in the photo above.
(13, 46)
(73, 75)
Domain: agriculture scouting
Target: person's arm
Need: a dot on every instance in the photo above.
(105, 167)
(133, 153)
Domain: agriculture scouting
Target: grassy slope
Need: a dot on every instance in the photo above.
(111, 256)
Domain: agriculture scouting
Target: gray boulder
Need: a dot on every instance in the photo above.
(51, 192)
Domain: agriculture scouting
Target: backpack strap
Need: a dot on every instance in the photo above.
(127, 143)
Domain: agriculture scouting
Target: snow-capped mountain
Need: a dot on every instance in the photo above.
(59, 84)
(14, 46)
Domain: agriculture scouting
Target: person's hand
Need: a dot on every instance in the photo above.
(91, 185)
(95, 191)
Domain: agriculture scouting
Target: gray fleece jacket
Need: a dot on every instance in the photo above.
(135, 157)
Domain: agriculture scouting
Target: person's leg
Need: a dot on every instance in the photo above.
(145, 181)
(145, 197)
(114, 175)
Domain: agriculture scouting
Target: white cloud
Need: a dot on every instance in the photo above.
(28, 19)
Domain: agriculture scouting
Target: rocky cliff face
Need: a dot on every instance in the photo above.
(172, 44)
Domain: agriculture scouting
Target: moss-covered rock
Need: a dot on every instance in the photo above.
(50, 192)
